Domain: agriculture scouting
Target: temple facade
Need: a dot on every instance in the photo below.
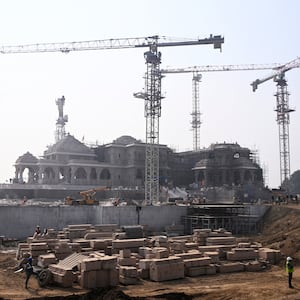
(227, 164)
(122, 163)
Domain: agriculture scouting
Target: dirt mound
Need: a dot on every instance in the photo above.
(282, 230)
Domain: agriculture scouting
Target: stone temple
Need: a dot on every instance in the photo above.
(121, 163)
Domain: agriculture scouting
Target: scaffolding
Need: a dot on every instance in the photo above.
(234, 218)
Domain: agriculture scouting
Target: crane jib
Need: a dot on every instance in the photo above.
(123, 43)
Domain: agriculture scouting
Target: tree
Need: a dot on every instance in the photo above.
(293, 184)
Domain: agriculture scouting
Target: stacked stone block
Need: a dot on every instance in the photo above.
(221, 232)
(230, 240)
(98, 272)
(221, 249)
(128, 275)
(97, 235)
(160, 252)
(160, 241)
(178, 246)
(62, 275)
(214, 255)
(146, 252)
(200, 235)
(75, 247)
(62, 250)
(22, 249)
(242, 254)
(132, 244)
(166, 269)
(230, 267)
(189, 255)
(158, 258)
(196, 266)
(46, 259)
(37, 249)
(191, 246)
(270, 255)
(144, 268)
(253, 266)
(125, 258)
(109, 228)
(99, 244)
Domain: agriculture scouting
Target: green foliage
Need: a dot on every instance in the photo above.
(293, 183)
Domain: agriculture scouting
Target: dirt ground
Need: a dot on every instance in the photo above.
(281, 231)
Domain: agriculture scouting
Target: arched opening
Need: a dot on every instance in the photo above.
(258, 175)
(105, 174)
(80, 174)
(49, 175)
(28, 175)
(139, 174)
(247, 176)
(210, 178)
(236, 178)
(61, 175)
(93, 174)
(218, 178)
(201, 178)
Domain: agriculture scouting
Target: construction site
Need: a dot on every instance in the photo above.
(136, 219)
(107, 261)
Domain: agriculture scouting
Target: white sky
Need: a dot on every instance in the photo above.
(99, 85)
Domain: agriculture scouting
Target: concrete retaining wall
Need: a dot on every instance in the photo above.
(258, 210)
(20, 221)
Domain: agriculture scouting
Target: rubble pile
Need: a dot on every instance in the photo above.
(97, 256)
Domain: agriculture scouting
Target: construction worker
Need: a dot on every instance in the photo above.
(290, 269)
(37, 232)
(27, 267)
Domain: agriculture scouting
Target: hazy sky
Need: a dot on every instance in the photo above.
(99, 85)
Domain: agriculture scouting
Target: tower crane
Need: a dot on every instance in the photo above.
(196, 70)
(283, 113)
(62, 119)
(152, 95)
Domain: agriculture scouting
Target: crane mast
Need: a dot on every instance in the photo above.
(152, 102)
(152, 95)
(196, 70)
(283, 113)
(61, 121)
(196, 114)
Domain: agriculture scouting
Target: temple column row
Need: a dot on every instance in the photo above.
(224, 176)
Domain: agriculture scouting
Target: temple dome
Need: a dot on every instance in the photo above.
(125, 140)
(27, 158)
(69, 144)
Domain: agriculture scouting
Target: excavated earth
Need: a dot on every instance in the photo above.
(281, 231)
